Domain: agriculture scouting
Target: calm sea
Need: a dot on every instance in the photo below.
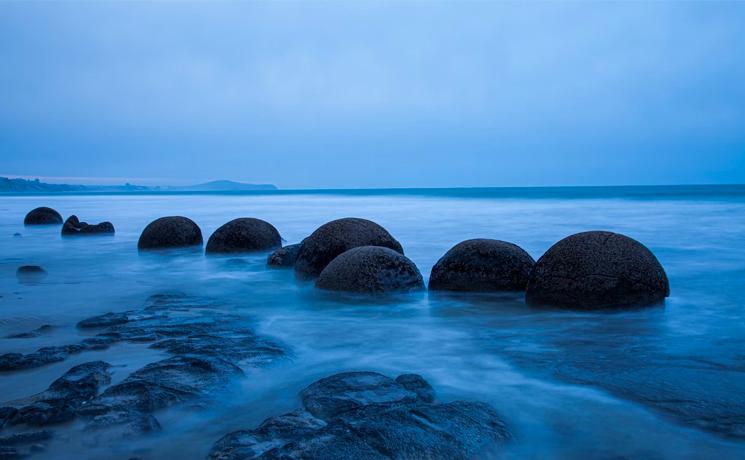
(661, 382)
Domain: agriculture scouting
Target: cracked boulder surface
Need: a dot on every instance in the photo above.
(597, 270)
(366, 415)
(208, 350)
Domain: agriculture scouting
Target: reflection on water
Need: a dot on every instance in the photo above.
(661, 382)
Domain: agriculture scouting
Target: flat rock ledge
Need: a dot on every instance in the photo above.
(366, 415)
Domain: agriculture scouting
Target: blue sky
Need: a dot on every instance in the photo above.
(378, 94)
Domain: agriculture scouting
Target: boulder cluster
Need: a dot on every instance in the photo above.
(590, 270)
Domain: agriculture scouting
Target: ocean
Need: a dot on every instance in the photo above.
(651, 383)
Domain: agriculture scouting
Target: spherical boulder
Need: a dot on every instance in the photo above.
(482, 265)
(42, 216)
(371, 269)
(597, 270)
(337, 236)
(244, 234)
(170, 232)
(284, 257)
(73, 227)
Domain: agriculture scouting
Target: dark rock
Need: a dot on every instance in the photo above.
(482, 265)
(43, 216)
(371, 269)
(284, 257)
(17, 235)
(336, 237)
(41, 357)
(105, 320)
(25, 438)
(73, 227)
(245, 234)
(415, 383)
(339, 393)
(61, 400)
(170, 232)
(369, 416)
(596, 270)
(30, 270)
(31, 334)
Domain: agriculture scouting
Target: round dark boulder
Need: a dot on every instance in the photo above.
(371, 269)
(170, 232)
(30, 274)
(337, 236)
(73, 227)
(43, 216)
(245, 234)
(482, 265)
(597, 270)
(284, 257)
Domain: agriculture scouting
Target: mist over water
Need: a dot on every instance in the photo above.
(660, 382)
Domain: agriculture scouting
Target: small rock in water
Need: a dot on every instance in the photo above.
(17, 235)
(368, 415)
(170, 232)
(73, 227)
(284, 257)
(371, 269)
(31, 334)
(105, 320)
(336, 237)
(30, 274)
(482, 265)
(597, 270)
(42, 216)
(245, 234)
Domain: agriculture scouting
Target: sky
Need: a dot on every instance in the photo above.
(373, 94)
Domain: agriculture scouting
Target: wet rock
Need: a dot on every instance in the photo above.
(105, 320)
(596, 270)
(482, 265)
(371, 269)
(41, 357)
(30, 274)
(60, 402)
(415, 383)
(73, 227)
(245, 234)
(17, 235)
(368, 415)
(284, 257)
(336, 237)
(42, 216)
(170, 232)
(31, 334)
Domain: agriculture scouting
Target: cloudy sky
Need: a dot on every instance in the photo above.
(374, 94)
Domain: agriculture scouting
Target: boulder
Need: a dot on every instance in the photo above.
(284, 257)
(170, 232)
(482, 265)
(30, 274)
(335, 237)
(597, 270)
(370, 416)
(74, 227)
(43, 216)
(371, 269)
(245, 234)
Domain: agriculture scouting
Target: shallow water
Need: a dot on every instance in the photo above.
(660, 382)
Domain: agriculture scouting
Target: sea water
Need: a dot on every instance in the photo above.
(660, 382)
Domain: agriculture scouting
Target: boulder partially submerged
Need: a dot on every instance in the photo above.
(170, 232)
(74, 227)
(371, 269)
(244, 234)
(482, 265)
(371, 416)
(336, 237)
(597, 270)
(42, 216)
(284, 257)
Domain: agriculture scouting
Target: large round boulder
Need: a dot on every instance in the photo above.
(597, 270)
(170, 232)
(284, 257)
(337, 236)
(371, 269)
(244, 234)
(482, 265)
(42, 216)
(74, 227)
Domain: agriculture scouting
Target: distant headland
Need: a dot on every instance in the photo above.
(8, 185)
